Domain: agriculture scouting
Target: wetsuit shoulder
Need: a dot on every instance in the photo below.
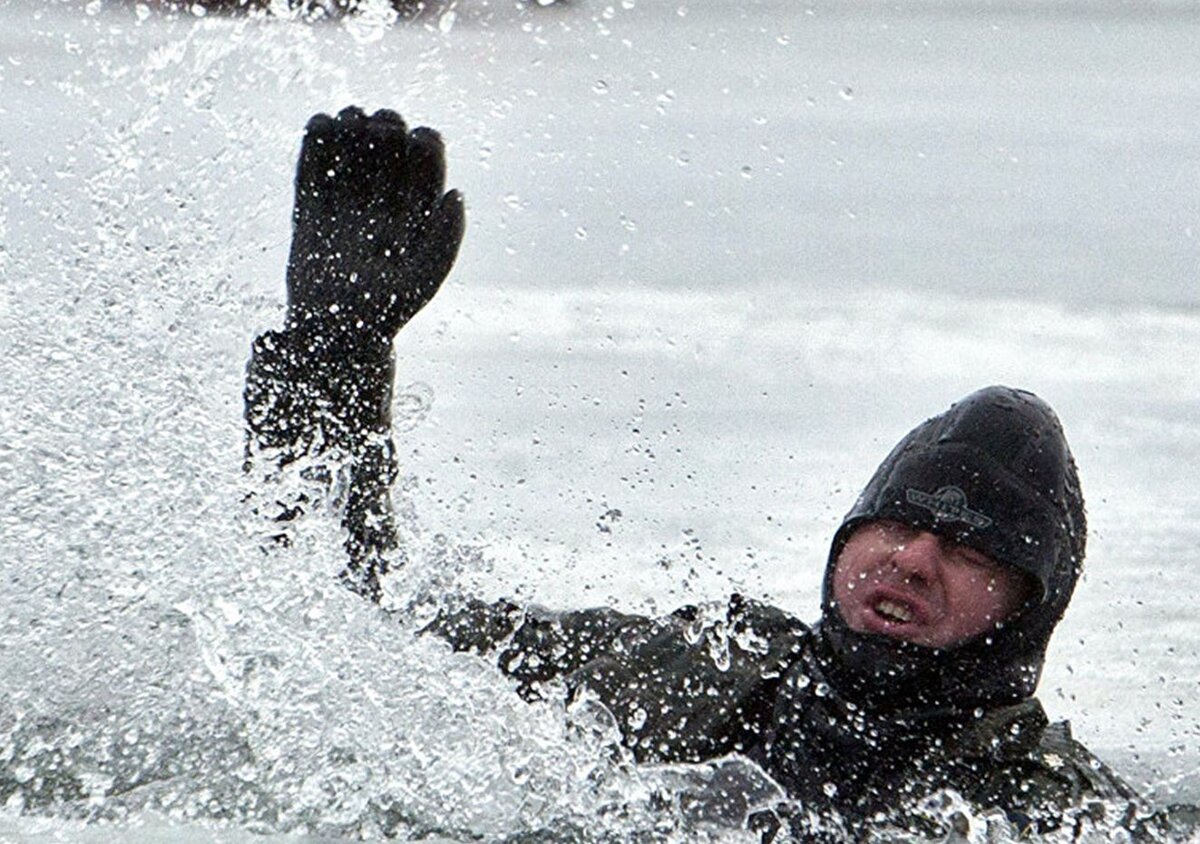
(696, 684)
(1040, 776)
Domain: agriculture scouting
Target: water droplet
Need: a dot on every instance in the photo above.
(846, 93)
(581, 233)
(747, 171)
(637, 718)
(601, 87)
(447, 20)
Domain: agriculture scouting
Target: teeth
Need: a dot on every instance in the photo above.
(894, 611)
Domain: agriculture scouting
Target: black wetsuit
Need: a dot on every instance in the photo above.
(749, 678)
(853, 747)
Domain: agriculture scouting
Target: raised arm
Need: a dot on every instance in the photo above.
(374, 236)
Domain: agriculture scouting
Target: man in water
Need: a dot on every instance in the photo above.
(943, 584)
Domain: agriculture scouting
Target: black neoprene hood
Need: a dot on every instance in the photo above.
(993, 472)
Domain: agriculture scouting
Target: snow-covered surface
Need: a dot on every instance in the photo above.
(720, 257)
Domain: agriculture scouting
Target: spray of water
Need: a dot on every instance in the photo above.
(168, 657)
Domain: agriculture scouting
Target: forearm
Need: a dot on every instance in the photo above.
(303, 401)
(327, 412)
(532, 645)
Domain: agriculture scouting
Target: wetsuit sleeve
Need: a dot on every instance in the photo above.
(329, 417)
(533, 645)
(697, 684)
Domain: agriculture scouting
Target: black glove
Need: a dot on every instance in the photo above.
(373, 234)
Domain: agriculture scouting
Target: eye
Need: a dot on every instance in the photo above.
(971, 557)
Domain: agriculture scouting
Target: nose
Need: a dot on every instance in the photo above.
(917, 558)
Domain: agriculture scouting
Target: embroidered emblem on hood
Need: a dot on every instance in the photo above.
(949, 504)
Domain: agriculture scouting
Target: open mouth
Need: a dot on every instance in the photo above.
(893, 611)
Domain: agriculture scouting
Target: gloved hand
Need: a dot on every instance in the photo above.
(373, 234)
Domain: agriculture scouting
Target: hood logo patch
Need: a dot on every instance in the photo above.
(949, 504)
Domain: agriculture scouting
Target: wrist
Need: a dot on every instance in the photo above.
(347, 391)
(332, 340)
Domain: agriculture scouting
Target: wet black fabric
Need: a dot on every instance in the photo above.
(373, 238)
(307, 407)
(831, 752)
(748, 678)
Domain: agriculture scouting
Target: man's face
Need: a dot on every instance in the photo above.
(912, 585)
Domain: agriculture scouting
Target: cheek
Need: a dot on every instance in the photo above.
(843, 578)
(984, 597)
(849, 578)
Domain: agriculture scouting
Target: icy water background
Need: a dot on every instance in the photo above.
(720, 257)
